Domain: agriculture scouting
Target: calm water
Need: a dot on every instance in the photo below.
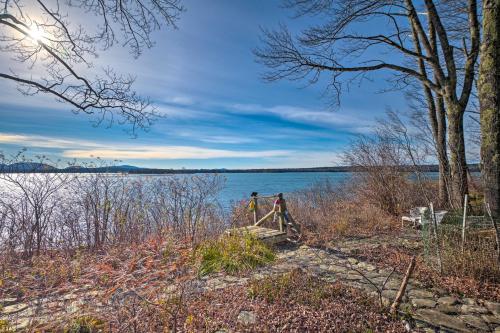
(240, 185)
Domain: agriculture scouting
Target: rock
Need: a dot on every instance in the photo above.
(231, 279)
(475, 322)
(247, 318)
(469, 301)
(353, 276)
(497, 330)
(473, 309)
(493, 320)
(420, 293)
(448, 309)
(423, 303)
(367, 266)
(75, 306)
(21, 324)
(436, 318)
(390, 294)
(448, 300)
(393, 284)
(336, 268)
(493, 307)
(352, 261)
(385, 301)
(11, 309)
(407, 326)
(68, 297)
(7, 301)
(215, 284)
(439, 291)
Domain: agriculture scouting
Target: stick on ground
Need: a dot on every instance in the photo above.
(402, 288)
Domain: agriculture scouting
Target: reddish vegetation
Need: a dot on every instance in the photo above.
(127, 267)
(143, 272)
(399, 257)
(307, 305)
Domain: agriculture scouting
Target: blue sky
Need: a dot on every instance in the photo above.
(218, 113)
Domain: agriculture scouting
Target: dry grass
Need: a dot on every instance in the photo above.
(452, 281)
(478, 260)
(125, 267)
(294, 302)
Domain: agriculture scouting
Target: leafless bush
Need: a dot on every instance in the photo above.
(389, 162)
(326, 212)
(48, 211)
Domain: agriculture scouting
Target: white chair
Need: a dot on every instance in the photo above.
(417, 216)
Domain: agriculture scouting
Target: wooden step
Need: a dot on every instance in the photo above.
(268, 236)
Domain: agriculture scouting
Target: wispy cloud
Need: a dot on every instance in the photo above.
(307, 159)
(88, 149)
(337, 119)
(40, 141)
(171, 153)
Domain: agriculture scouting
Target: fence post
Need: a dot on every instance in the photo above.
(464, 222)
(438, 250)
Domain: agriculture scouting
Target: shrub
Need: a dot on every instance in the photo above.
(232, 254)
(86, 324)
(327, 213)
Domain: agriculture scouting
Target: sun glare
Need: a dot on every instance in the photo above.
(36, 33)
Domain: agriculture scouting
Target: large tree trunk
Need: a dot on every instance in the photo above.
(442, 153)
(458, 161)
(489, 100)
(437, 117)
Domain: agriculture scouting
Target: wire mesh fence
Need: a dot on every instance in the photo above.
(464, 246)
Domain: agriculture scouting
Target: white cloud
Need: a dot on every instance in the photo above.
(308, 159)
(82, 149)
(40, 141)
(337, 119)
(178, 112)
(87, 149)
(171, 153)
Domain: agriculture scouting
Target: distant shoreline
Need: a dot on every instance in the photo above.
(45, 168)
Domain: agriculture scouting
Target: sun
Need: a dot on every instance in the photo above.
(36, 33)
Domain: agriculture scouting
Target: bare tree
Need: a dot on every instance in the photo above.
(387, 157)
(362, 36)
(489, 98)
(55, 42)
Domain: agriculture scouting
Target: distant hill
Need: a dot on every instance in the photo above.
(27, 167)
(40, 167)
(112, 169)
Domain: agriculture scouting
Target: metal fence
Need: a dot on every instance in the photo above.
(461, 244)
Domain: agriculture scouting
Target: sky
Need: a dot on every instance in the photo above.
(218, 112)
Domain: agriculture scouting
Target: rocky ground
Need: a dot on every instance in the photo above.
(424, 309)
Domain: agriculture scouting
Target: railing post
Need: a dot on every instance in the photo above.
(281, 211)
(255, 207)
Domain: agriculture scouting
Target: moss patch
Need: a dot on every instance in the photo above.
(86, 324)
